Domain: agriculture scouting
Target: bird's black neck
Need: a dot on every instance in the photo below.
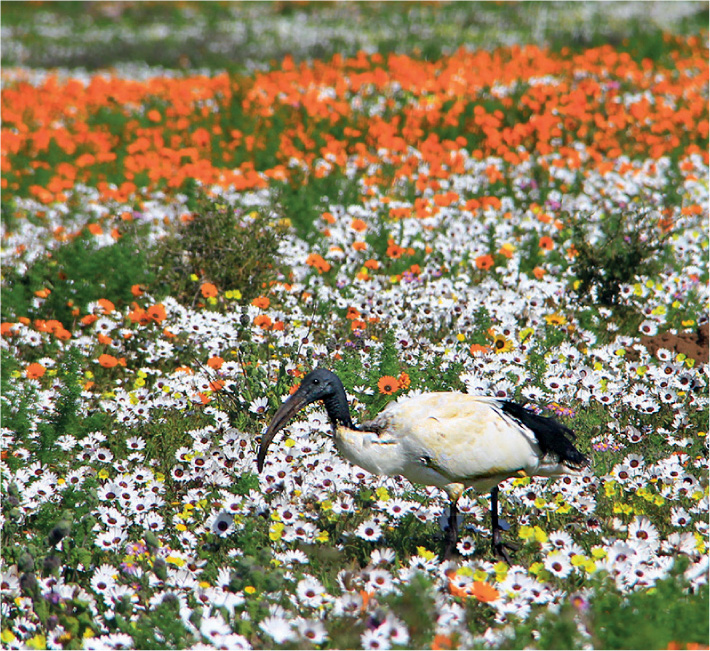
(337, 407)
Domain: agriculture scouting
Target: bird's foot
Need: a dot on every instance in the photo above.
(500, 547)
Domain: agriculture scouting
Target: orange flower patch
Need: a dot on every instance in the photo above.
(216, 385)
(106, 306)
(484, 262)
(262, 302)
(215, 362)
(156, 313)
(478, 349)
(442, 642)
(208, 290)
(262, 321)
(387, 385)
(546, 243)
(35, 371)
(108, 361)
(484, 591)
(358, 225)
(89, 319)
(394, 251)
(319, 262)
(7, 329)
(177, 143)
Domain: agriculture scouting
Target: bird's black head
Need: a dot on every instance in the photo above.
(319, 384)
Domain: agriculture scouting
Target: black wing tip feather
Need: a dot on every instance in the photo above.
(552, 436)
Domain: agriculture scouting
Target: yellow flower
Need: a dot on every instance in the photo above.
(323, 537)
(382, 494)
(536, 568)
(478, 575)
(599, 552)
(425, 553)
(540, 535)
(502, 344)
(7, 636)
(556, 319)
(276, 531)
(524, 334)
(250, 589)
(37, 642)
(525, 532)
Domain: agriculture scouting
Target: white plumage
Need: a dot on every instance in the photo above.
(447, 439)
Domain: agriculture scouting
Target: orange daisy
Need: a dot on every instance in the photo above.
(387, 385)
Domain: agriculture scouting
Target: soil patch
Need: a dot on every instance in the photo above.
(691, 344)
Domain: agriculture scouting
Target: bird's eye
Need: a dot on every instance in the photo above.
(316, 381)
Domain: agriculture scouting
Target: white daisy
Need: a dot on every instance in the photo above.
(382, 556)
(369, 530)
(222, 524)
(380, 581)
(642, 534)
(310, 592)
(466, 546)
(558, 564)
(312, 630)
(277, 628)
(374, 640)
(680, 517)
(259, 406)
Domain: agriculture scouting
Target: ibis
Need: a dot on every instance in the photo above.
(451, 440)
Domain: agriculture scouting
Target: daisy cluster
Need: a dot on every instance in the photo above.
(130, 435)
(252, 33)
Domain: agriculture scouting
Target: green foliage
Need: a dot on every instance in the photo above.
(646, 619)
(615, 250)
(218, 244)
(159, 628)
(415, 606)
(77, 273)
(651, 619)
(166, 431)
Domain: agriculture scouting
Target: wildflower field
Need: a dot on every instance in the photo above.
(201, 202)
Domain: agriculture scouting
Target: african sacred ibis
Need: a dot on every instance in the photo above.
(451, 440)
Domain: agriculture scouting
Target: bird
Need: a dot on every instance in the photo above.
(448, 439)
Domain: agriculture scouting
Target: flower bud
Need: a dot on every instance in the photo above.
(61, 529)
(26, 563)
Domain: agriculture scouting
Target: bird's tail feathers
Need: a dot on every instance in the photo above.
(554, 438)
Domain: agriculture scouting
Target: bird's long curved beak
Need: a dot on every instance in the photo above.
(284, 413)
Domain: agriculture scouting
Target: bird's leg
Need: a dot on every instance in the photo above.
(452, 532)
(499, 547)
